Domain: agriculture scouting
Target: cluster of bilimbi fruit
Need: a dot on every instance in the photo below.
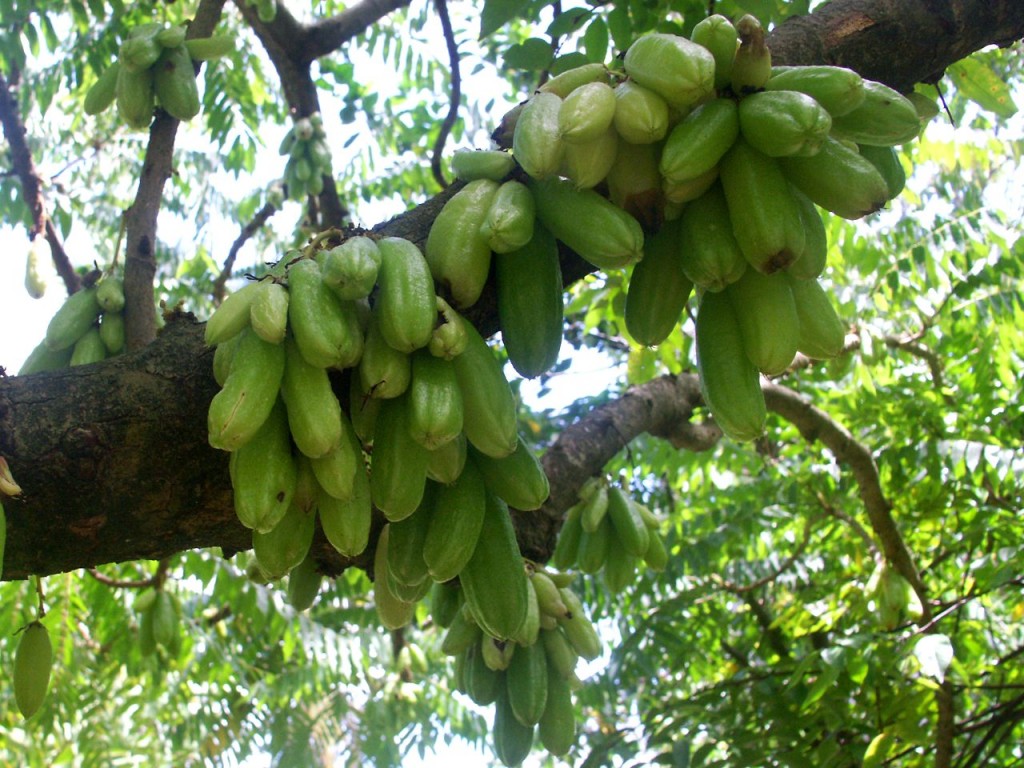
(309, 158)
(155, 66)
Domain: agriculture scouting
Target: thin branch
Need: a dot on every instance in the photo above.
(455, 95)
(740, 589)
(330, 34)
(251, 228)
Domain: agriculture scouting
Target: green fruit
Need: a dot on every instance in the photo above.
(249, 392)
(562, 657)
(139, 52)
(314, 413)
(567, 546)
(482, 683)
(102, 93)
(527, 683)
(463, 633)
(658, 290)
(838, 89)
(530, 303)
(656, 556)
(587, 164)
(729, 382)
(445, 464)
(346, 523)
(887, 162)
(231, 316)
(765, 216)
(457, 250)
(512, 740)
(392, 612)
(405, 560)
(350, 269)
(752, 65)
(384, 372)
(641, 115)
(42, 358)
(635, 185)
(171, 36)
(449, 337)
(592, 226)
(135, 97)
(885, 118)
(708, 252)
(680, 71)
(838, 179)
(767, 317)
(76, 315)
(338, 470)
(88, 349)
(549, 599)
(406, 305)
(174, 81)
(362, 407)
(594, 508)
(628, 526)
(304, 584)
(112, 332)
(470, 165)
(619, 568)
(565, 83)
(811, 261)
(536, 144)
(213, 47)
(698, 142)
(718, 35)
(268, 312)
(264, 474)
(488, 405)
(586, 113)
(398, 464)
(557, 726)
(455, 525)
(32, 662)
(494, 581)
(529, 632)
(822, 333)
(780, 123)
(445, 603)
(326, 329)
(594, 545)
(578, 629)
(517, 478)
(166, 629)
(284, 546)
(508, 224)
(435, 401)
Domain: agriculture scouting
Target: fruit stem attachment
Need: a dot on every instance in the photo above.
(41, 606)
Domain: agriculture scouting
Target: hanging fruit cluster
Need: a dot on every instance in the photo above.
(88, 327)
(701, 165)
(155, 66)
(309, 159)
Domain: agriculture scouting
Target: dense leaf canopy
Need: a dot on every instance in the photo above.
(818, 576)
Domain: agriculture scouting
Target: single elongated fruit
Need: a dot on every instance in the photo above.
(508, 224)
(384, 371)
(75, 316)
(630, 531)
(393, 612)
(314, 413)
(88, 349)
(405, 560)
(350, 269)
(445, 464)
(699, 140)
(455, 524)
(780, 123)
(445, 603)
(457, 251)
(562, 657)
(462, 633)
(213, 47)
(549, 599)
(527, 683)
(488, 405)
(594, 545)
(435, 401)
(102, 93)
(304, 584)
(610, 239)
(166, 625)
(586, 113)
(135, 97)
(729, 381)
(838, 179)
(231, 316)
(494, 164)
(885, 118)
(249, 392)
(264, 474)
(35, 282)
(42, 358)
(656, 556)
(110, 294)
(838, 89)
(517, 478)
(449, 337)
(536, 143)
(337, 470)
(708, 252)
(530, 303)
(398, 465)
(32, 662)
(718, 35)
(268, 313)
(578, 629)
(658, 289)
(557, 727)
(512, 740)
(284, 546)
(887, 162)
(326, 328)
(822, 333)
(567, 546)
(346, 523)
(594, 509)
(752, 65)
(568, 81)
(139, 52)
(171, 36)
(494, 581)
(406, 304)
(767, 317)
(641, 115)
(587, 164)
(679, 70)
(765, 217)
(635, 185)
(811, 261)
(174, 81)
(481, 681)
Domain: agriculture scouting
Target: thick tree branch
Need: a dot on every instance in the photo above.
(330, 34)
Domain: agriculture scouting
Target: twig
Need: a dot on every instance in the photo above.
(740, 589)
(262, 216)
(455, 96)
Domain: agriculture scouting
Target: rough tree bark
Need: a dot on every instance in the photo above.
(113, 458)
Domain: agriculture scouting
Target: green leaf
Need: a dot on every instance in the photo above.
(569, 22)
(620, 27)
(497, 13)
(532, 54)
(981, 85)
(595, 40)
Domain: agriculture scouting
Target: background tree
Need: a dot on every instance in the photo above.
(764, 641)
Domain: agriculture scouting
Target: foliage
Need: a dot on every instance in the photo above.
(762, 643)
